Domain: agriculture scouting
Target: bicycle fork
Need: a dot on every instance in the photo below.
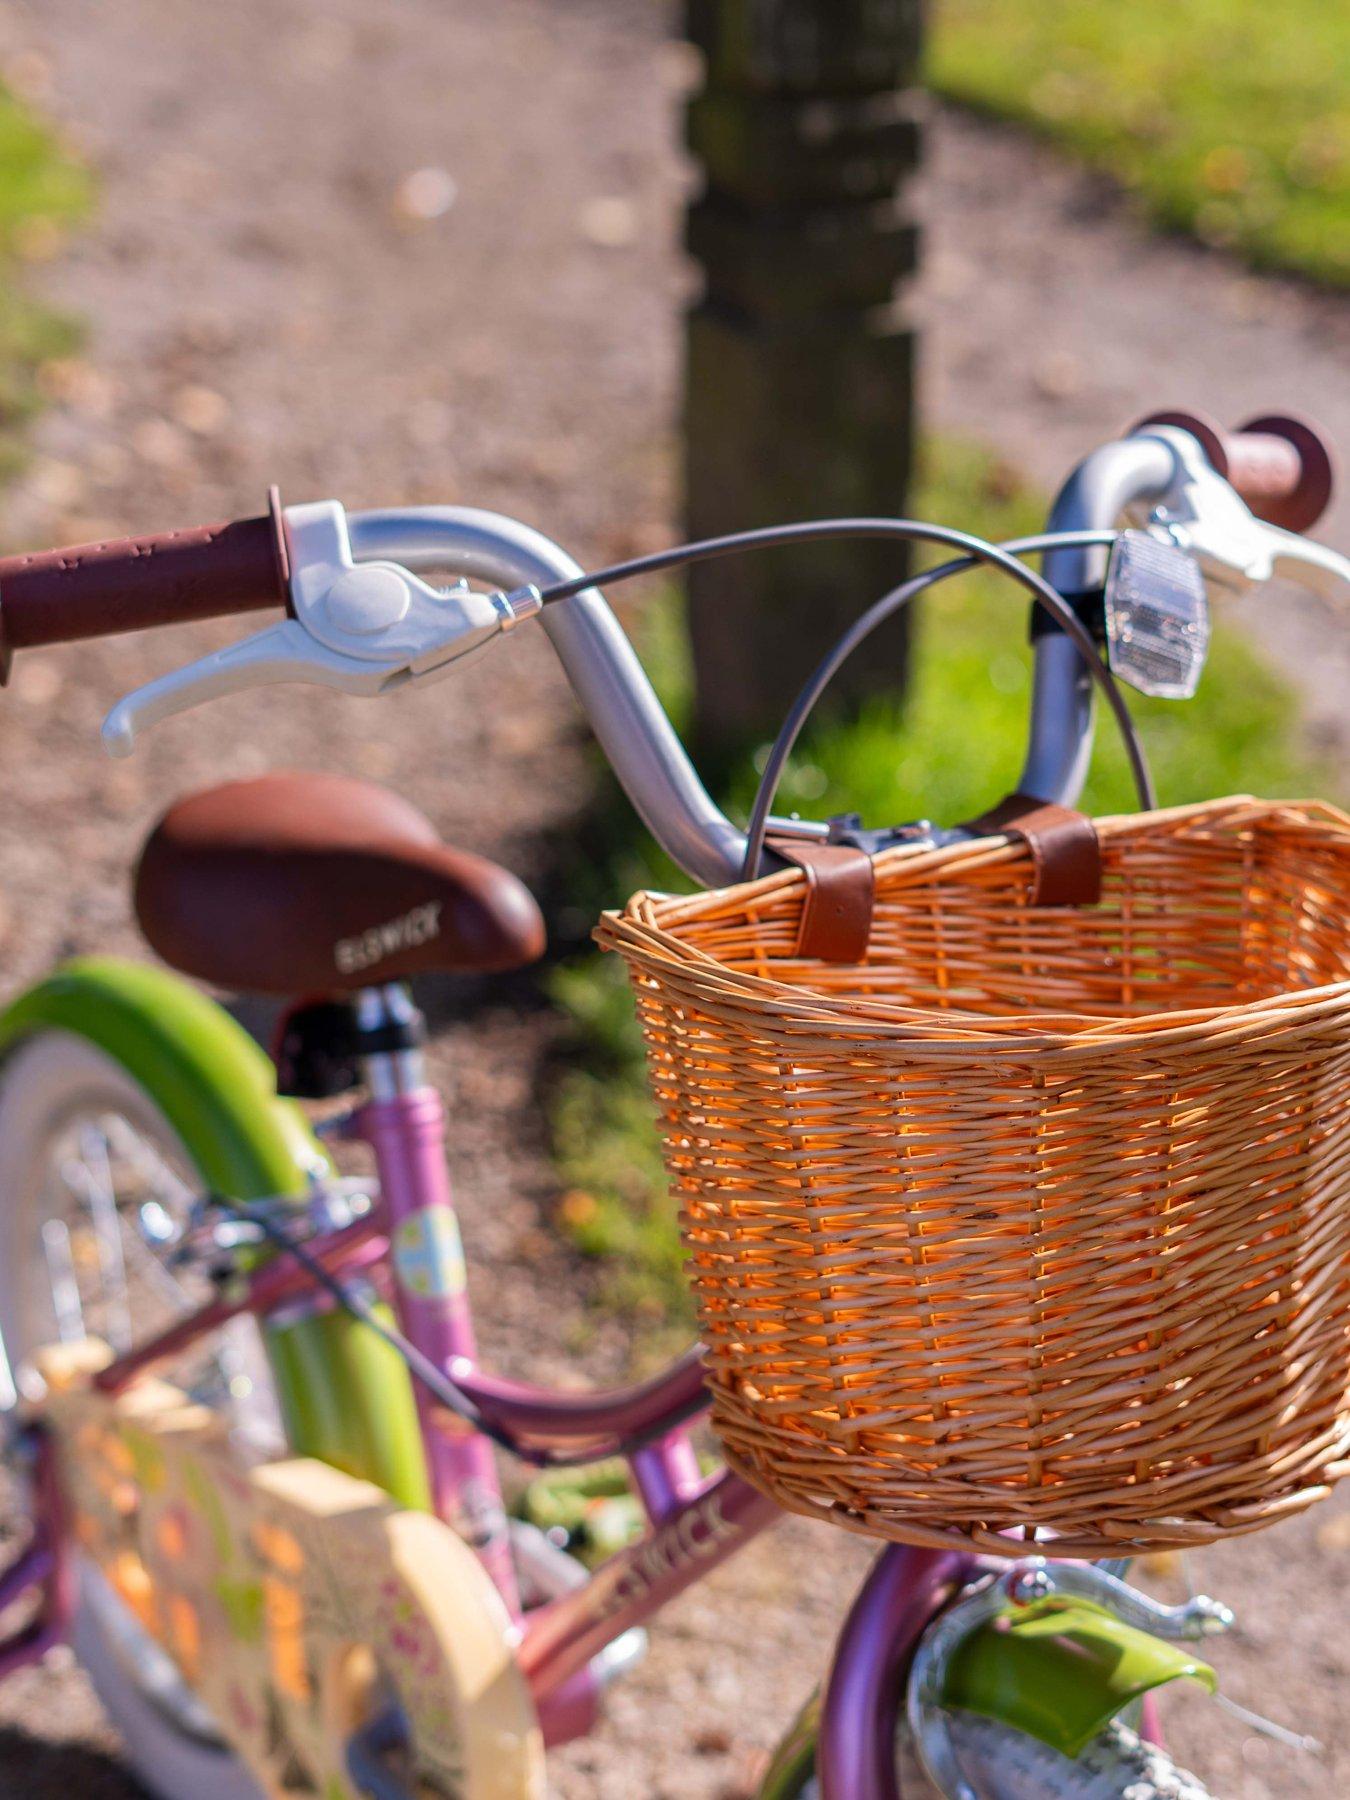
(865, 1694)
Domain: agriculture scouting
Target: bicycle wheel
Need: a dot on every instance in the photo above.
(1003, 1764)
(94, 1184)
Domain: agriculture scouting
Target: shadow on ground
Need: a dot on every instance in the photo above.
(43, 1771)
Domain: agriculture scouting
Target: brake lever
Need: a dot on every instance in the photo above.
(362, 628)
(1203, 515)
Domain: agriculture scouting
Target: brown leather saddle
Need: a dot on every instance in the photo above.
(299, 884)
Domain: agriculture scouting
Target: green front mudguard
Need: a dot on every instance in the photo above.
(1059, 1671)
(345, 1396)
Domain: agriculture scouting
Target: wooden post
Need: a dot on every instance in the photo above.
(800, 361)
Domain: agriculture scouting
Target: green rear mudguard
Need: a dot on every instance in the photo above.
(345, 1396)
(1059, 1672)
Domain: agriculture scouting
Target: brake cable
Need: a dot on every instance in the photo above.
(438, 1384)
(861, 629)
(974, 550)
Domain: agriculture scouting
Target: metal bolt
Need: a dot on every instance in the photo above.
(1030, 1584)
(1212, 1616)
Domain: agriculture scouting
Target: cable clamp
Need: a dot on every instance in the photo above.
(521, 603)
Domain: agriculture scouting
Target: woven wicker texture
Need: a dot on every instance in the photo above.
(1037, 1218)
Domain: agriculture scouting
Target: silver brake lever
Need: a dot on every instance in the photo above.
(1203, 515)
(363, 628)
(1322, 571)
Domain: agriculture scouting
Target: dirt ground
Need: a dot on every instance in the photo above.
(266, 304)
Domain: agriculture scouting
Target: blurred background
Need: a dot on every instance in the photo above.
(627, 270)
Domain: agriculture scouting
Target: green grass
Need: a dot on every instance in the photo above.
(952, 750)
(1228, 118)
(43, 189)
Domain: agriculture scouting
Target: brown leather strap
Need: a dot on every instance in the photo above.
(837, 917)
(1064, 848)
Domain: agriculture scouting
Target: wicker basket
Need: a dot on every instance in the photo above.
(1037, 1219)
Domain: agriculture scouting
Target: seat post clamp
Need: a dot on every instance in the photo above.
(321, 1045)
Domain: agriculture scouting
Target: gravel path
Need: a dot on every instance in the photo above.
(267, 305)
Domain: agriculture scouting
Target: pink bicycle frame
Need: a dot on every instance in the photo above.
(695, 1522)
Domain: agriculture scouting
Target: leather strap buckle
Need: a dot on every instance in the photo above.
(837, 917)
(1064, 845)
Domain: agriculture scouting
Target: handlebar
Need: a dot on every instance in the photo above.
(1281, 465)
(361, 620)
(130, 584)
(602, 666)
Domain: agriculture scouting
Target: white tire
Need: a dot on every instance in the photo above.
(1003, 1764)
(48, 1085)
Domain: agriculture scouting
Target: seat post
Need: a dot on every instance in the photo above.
(403, 1121)
(391, 1073)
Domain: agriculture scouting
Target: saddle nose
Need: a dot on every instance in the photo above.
(303, 883)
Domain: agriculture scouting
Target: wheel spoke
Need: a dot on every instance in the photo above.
(163, 1181)
(91, 1179)
(9, 1393)
(107, 1233)
(65, 1286)
(161, 1278)
(103, 1195)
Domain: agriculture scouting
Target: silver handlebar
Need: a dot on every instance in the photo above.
(608, 679)
(1102, 487)
(362, 620)
(621, 705)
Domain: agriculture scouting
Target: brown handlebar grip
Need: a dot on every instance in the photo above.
(1283, 468)
(1281, 465)
(130, 584)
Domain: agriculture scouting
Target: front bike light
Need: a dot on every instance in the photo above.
(1157, 616)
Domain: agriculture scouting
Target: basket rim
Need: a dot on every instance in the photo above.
(644, 931)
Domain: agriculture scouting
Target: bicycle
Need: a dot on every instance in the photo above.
(291, 1570)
